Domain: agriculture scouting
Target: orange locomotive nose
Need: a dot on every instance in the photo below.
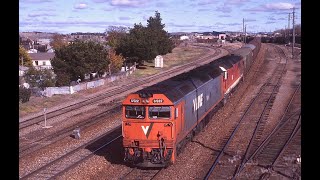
(131, 152)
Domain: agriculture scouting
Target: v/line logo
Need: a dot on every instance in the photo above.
(197, 102)
(146, 130)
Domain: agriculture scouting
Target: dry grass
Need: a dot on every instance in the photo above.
(36, 104)
(180, 55)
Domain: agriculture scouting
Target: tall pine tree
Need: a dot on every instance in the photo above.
(145, 43)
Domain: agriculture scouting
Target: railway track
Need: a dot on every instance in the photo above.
(256, 113)
(143, 174)
(274, 145)
(72, 158)
(28, 147)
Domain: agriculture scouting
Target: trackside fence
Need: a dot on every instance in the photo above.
(50, 91)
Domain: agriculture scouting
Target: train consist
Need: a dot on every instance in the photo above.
(158, 120)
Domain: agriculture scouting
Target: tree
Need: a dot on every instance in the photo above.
(145, 43)
(24, 94)
(78, 59)
(39, 78)
(116, 61)
(24, 56)
(160, 40)
(115, 34)
(58, 41)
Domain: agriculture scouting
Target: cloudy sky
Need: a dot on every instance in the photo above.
(67, 16)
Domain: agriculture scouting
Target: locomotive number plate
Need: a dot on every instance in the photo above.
(157, 101)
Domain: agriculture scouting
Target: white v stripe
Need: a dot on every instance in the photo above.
(145, 129)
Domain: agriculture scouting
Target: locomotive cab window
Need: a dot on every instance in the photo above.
(136, 112)
(159, 112)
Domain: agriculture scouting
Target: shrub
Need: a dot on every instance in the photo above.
(24, 94)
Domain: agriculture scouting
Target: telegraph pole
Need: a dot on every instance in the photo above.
(293, 33)
(289, 27)
(243, 28)
(245, 33)
(285, 34)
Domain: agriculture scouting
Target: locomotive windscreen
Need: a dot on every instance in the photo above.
(159, 112)
(137, 112)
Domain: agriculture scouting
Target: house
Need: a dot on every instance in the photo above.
(41, 60)
(32, 51)
(184, 37)
(22, 70)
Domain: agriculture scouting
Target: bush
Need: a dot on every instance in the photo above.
(24, 94)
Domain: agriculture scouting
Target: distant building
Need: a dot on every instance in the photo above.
(184, 37)
(22, 70)
(222, 36)
(43, 41)
(41, 60)
(32, 51)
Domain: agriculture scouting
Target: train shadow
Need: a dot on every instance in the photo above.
(113, 152)
(214, 150)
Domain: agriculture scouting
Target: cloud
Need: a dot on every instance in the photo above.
(40, 14)
(224, 15)
(161, 4)
(224, 9)
(272, 18)
(272, 7)
(250, 20)
(204, 9)
(46, 9)
(35, 1)
(81, 6)
(128, 3)
(233, 24)
(270, 22)
(237, 2)
(228, 24)
(279, 6)
(71, 23)
(100, 1)
(180, 25)
(124, 18)
(206, 2)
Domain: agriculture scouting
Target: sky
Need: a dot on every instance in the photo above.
(96, 16)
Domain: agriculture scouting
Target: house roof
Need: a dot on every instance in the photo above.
(41, 56)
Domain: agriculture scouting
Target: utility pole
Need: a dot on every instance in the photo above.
(293, 33)
(243, 28)
(285, 29)
(245, 33)
(289, 23)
